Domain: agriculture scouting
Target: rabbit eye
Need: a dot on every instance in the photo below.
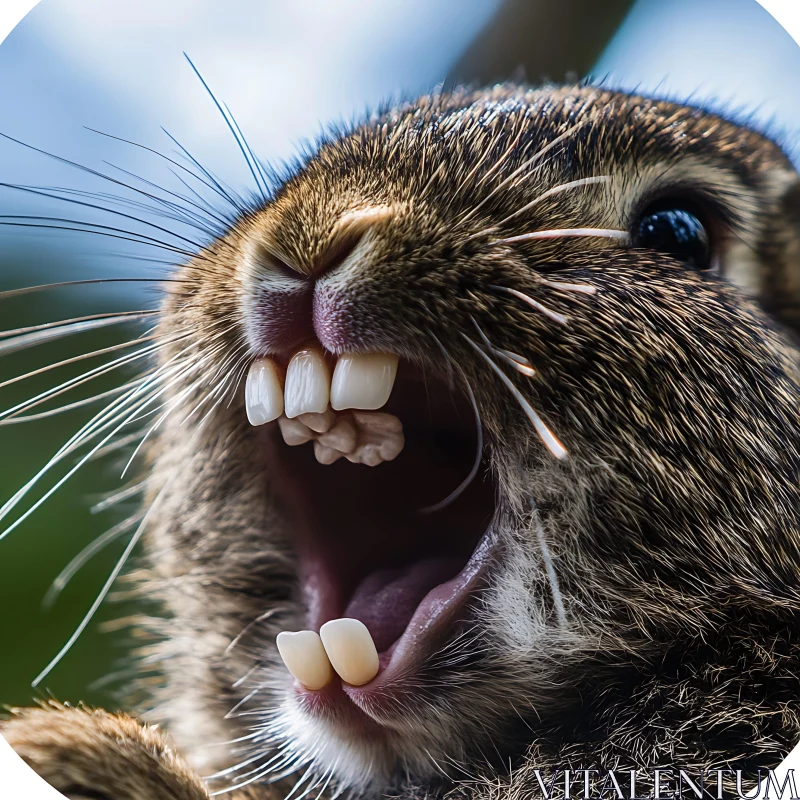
(675, 229)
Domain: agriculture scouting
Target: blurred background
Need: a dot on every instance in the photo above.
(286, 70)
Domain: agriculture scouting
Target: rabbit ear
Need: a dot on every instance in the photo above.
(780, 255)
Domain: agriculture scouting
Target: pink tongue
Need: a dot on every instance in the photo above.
(386, 599)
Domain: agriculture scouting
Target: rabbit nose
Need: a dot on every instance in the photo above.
(287, 312)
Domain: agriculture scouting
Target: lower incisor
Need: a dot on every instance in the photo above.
(351, 651)
(305, 657)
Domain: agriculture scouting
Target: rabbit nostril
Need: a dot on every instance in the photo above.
(331, 257)
(347, 235)
(289, 307)
(270, 261)
(286, 270)
(331, 251)
(341, 249)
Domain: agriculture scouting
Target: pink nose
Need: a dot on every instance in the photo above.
(283, 320)
(287, 318)
(337, 323)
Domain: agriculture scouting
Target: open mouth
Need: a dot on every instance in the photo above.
(375, 544)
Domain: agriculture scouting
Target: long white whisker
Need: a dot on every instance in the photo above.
(261, 771)
(552, 577)
(223, 368)
(119, 497)
(59, 323)
(539, 154)
(562, 233)
(301, 781)
(103, 592)
(106, 418)
(580, 288)
(223, 389)
(119, 444)
(327, 781)
(191, 368)
(59, 455)
(229, 770)
(9, 505)
(7, 293)
(101, 420)
(179, 399)
(254, 735)
(555, 316)
(74, 442)
(76, 359)
(35, 338)
(71, 406)
(257, 621)
(461, 488)
(68, 573)
(239, 681)
(84, 377)
(244, 700)
(171, 404)
(519, 363)
(547, 437)
(542, 197)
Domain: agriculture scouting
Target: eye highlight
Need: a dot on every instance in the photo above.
(677, 229)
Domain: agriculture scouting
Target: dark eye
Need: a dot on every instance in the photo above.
(676, 230)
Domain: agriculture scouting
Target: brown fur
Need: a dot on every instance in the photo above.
(86, 753)
(673, 523)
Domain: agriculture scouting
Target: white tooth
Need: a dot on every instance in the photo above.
(263, 392)
(319, 423)
(326, 455)
(363, 380)
(294, 432)
(350, 650)
(308, 384)
(305, 658)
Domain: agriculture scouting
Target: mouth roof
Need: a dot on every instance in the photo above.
(367, 545)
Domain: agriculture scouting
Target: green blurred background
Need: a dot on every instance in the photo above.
(118, 67)
(33, 555)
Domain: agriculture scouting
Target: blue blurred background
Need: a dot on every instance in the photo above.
(285, 70)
